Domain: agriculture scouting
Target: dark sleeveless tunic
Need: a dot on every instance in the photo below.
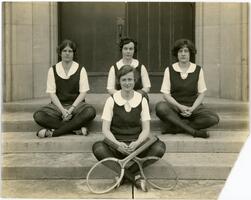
(67, 90)
(184, 91)
(126, 126)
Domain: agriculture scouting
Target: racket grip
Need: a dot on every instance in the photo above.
(115, 146)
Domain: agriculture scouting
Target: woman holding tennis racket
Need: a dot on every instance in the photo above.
(126, 122)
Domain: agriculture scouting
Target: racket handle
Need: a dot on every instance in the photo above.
(148, 142)
(115, 146)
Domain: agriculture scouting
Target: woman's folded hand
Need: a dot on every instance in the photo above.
(66, 115)
(133, 145)
(123, 145)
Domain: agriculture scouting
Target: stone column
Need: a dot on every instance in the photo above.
(30, 33)
(221, 40)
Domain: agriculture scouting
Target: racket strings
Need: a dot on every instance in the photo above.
(104, 176)
(160, 175)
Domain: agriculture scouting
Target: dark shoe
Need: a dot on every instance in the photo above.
(141, 184)
(201, 134)
(83, 131)
(43, 133)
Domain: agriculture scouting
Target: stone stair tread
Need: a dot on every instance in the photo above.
(28, 116)
(62, 160)
(154, 97)
(93, 136)
(219, 141)
(218, 104)
(77, 189)
(23, 121)
(186, 190)
(200, 166)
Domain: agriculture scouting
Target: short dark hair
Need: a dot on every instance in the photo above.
(125, 41)
(64, 44)
(125, 69)
(181, 43)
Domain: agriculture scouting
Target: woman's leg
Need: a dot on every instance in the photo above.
(101, 150)
(48, 117)
(157, 149)
(203, 118)
(82, 115)
(170, 116)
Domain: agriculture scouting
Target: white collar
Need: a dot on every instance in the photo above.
(134, 63)
(190, 69)
(60, 70)
(132, 103)
(184, 75)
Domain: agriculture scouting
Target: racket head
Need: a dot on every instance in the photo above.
(159, 173)
(104, 176)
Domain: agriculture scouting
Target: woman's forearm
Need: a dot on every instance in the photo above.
(171, 100)
(56, 101)
(198, 101)
(79, 99)
(145, 132)
(107, 133)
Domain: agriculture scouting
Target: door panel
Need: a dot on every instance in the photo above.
(156, 26)
(93, 26)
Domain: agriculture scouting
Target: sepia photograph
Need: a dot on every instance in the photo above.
(125, 100)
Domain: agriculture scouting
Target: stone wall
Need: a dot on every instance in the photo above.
(30, 39)
(222, 44)
(30, 33)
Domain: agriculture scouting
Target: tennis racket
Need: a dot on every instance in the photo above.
(107, 174)
(166, 180)
(158, 173)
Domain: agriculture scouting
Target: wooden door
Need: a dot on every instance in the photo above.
(96, 28)
(156, 26)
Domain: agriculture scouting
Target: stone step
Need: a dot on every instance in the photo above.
(219, 142)
(23, 122)
(199, 166)
(77, 189)
(98, 101)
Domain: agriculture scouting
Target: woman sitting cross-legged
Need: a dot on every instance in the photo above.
(126, 122)
(184, 89)
(67, 84)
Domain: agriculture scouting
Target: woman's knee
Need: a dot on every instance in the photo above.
(39, 116)
(213, 119)
(89, 113)
(99, 148)
(162, 109)
(158, 148)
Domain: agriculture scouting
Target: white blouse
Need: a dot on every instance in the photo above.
(83, 81)
(111, 76)
(132, 103)
(166, 84)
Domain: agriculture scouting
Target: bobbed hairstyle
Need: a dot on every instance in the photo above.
(124, 70)
(181, 43)
(64, 44)
(125, 41)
